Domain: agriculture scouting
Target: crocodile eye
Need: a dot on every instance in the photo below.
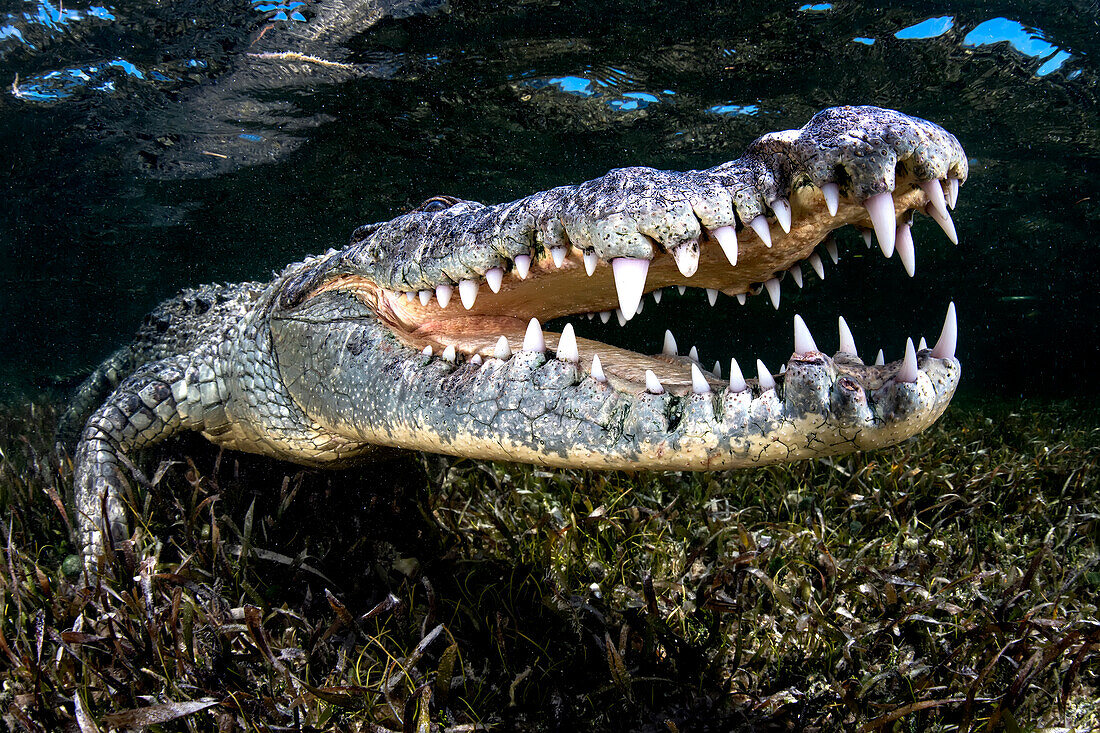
(437, 203)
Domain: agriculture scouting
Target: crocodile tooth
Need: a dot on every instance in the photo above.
(443, 294)
(533, 340)
(934, 191)
(866, 234)
(657, 295)
(880, 208)
(803, 341)
(699, 384)
(831, 192)
(712, 296)
(502, 351)
(630, 274)
(668, 348)
(727, 240)
(908, 371)
(923, 345)
(476, 359)
(591, 259)
(907, 252)
(620, 317)
(717, 370)
(605, 316)
(880, 358)
(952, 192)
(652, 384)
(764, 377)
(782, 368)
(819, 268)
(494, 276)
(558, 255)
(772, 287)
(425, 297)
(742, 298)
(693, 354)
(830, 247)
(567, 345)
(945, 347)
(427, 350)
(796, 274)
(641, 305)
(945, 222)
(410, 296)
(760, 226)
(686, 256)
(681, 289)
(737, 379)
(597, 369)
(847, 342)
(523, 266)
(467, 292)
(782, 210)
(449, 354)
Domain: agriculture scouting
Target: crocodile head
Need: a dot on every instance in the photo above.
(425, 331)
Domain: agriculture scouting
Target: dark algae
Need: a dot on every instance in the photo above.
(949, 582)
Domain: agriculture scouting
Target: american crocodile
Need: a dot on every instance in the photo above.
(368, 347)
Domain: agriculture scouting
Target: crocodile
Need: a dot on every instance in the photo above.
(367, 348)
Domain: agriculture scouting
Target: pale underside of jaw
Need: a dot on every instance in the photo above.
(501, 314)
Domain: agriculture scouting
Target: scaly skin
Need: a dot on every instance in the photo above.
(327, 362)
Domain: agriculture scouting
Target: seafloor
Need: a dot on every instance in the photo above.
(948, 583)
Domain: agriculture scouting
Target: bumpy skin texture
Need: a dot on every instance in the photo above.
(308, 372)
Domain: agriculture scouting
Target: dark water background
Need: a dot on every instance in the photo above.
(143, 149)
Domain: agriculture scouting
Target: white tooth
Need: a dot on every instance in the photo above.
(907, 252)
(712, 296)
(425, 297)
(760, 226)
(803, 341)
(476, 359)
(764, 377)
(880, 207)
(796, 274)
(830, 247)
(687, 258)
(934, 191)
(567, 345)
(597, 369)
(449, 354)
(605, 316)
(742, 298)
(641, 305)
(727, 240)
(952, 192)
(681, 289)
(923, 345)
(737, 379)
(467, 292)
(630, 274)
(866, 234)
(717, 370)
(782, 368)
(620, 317)
(533, 340)
(699, 383)
(652, 384)
(410, 296)
(782, 211)
(693, 354)
(949, 337)
(772, 287)
(945, 222)
(657, 295)
(443, 294)
(523, 266)
(502, 351)
(557, 254)
(831, 192)
(669, 346)
(880, 359)
(494, 276)
(427, 350)
(819, 268)
(847, 343)
(590, 316)
(591, 259)
(908, 371)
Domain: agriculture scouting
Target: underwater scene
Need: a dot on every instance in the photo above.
(875, 329)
